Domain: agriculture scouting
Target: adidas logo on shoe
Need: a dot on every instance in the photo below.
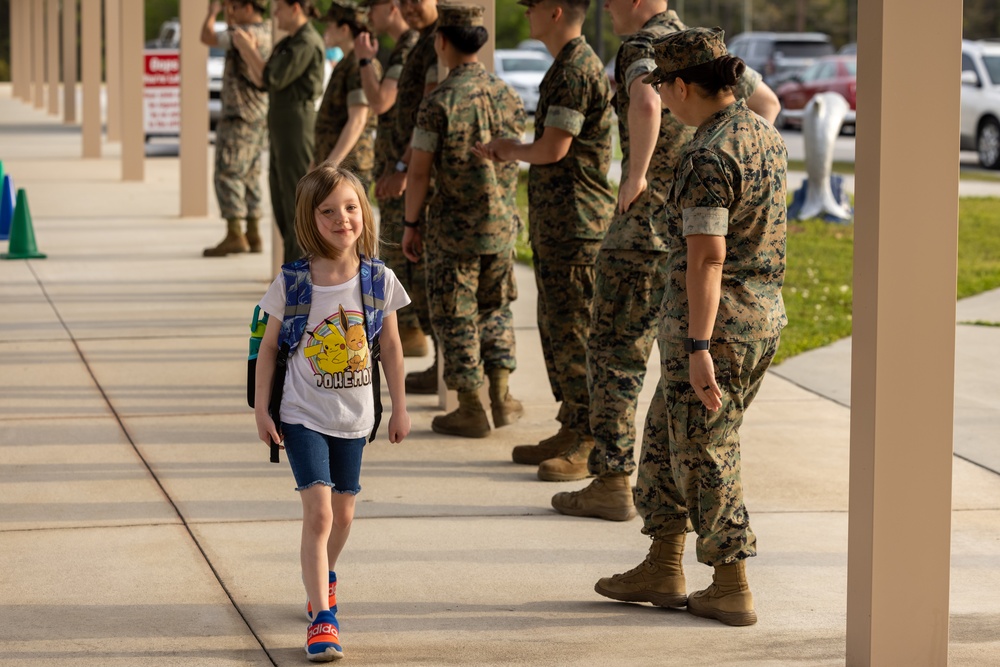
(323, 639)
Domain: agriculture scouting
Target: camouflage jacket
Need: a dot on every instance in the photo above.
(387, 121)
(344, 90)
(730, 182)
(638, 228)
(473, 210)
(571, 202)
(294, 72)
(240, 97)
(419, 71)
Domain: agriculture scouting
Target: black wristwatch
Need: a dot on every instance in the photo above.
(411, 225)
(694, 345)
(364, 62)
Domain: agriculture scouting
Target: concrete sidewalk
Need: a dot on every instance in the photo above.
(141, 524)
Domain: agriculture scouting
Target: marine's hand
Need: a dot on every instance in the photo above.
(413, 244)
(266, 430)
(630, 190)
(701, 373)
(483, 151)
(396, 185)
(243, 39)
(380, 184)
(214, 8)
(399, 425)
(503, 149)
(365, 46)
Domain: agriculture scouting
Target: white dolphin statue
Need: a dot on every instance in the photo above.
(821, 123)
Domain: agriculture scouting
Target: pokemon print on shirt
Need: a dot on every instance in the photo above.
(337, 351)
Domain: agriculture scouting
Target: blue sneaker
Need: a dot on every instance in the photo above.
(333, 597)
(323, 639)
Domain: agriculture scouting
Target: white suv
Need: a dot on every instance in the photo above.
(981, 101)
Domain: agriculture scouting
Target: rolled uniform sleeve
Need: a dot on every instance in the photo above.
(705, 193)
(355, 90)
(641, 66)
(432, 124)
(747, 84)
(568, 102)
(224, 38)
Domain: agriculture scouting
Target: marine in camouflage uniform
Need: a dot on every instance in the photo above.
(391, 208)
(630, 282)
(344, 91)
(470, 229)
(420, 70)
(240, 136)
(729, 182)
(570, 204)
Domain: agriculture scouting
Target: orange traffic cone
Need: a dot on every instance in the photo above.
(22, 234)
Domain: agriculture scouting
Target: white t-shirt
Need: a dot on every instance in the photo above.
(328, 383)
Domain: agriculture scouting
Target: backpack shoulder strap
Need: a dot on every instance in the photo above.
(373, 296)
(298, 297)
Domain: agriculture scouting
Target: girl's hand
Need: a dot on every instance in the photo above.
(399, 425)
(266, 430)
(701, 374)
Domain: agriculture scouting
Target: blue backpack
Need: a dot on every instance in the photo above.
(298, 297)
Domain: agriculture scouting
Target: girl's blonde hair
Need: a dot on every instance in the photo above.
(312, 189)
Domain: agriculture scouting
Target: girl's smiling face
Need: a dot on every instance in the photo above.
(339, 218)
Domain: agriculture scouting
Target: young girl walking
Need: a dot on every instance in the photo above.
(327, 408)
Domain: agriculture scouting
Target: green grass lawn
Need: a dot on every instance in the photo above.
(818, 288)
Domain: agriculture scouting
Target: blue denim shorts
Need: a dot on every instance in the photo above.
(317, 458)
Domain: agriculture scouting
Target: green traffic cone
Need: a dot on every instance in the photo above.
(22, 235)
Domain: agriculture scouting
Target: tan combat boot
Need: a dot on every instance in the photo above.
(414, 343)
(570, 466)
(607, 497)
(549, 448)
(253, 235)
(659, 579)
(423, 382)
(468, 421)
(505, 408)
(728, 599)
(235, 242)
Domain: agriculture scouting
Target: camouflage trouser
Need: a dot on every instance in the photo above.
(410, 275)
(470, 299)
(565, 295)
(623, 329)
(238, 145)
(689, 468)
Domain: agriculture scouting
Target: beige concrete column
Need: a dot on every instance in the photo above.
(194, 112)
(113, 67)
(133, 136)
(27, 52)
(90, 59)
(38, 45)
(69, 60)
(14, 20)
(902, 389)
(52, 39)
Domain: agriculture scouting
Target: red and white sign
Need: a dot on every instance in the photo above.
(162, 98)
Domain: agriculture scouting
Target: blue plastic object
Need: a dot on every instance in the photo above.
(7, 199)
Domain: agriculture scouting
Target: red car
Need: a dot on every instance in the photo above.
(836, 74)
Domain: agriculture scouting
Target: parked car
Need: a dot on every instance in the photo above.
(535, 45)
(524, 71)
(778, 55)
(837, 74)
(170, 38)
(980, 124)
(850, 49)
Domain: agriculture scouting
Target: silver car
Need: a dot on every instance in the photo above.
(523, 70)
